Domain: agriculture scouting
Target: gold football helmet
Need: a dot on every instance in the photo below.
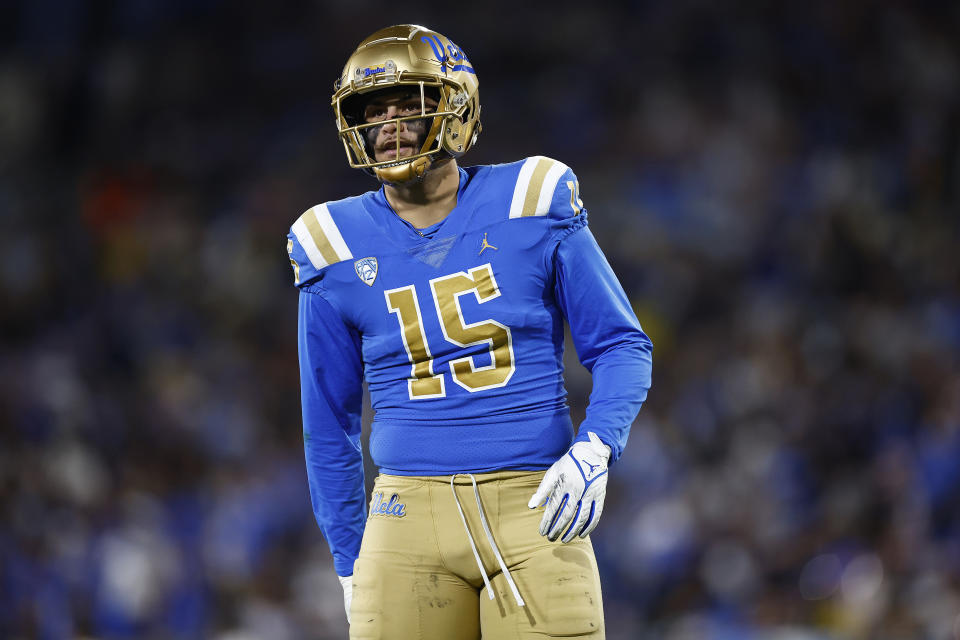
(413, 57)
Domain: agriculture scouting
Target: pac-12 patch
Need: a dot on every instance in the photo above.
(366, 270)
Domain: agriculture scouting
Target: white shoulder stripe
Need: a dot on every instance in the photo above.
(523, 181)
(549, 186)
(318, 235)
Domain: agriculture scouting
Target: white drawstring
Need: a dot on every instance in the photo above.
(493, 545)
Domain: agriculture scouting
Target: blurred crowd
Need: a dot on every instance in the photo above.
(778, 188)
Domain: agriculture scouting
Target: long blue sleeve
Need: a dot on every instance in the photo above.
(331, 374)
(607, 336)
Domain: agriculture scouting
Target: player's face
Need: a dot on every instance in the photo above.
(396, 104)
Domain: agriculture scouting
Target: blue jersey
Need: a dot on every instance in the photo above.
(458, 331)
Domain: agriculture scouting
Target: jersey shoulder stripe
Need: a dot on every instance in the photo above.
(320, 238)
(535, 186)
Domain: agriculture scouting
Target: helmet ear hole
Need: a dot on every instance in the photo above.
(455, 136)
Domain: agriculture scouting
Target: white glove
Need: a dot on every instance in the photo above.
(576, 485)
(347, 583)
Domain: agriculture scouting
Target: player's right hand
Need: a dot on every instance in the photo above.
(347, 583)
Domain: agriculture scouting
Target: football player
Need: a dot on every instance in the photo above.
(446, 291)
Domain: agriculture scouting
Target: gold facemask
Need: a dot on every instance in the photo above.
(408, 56)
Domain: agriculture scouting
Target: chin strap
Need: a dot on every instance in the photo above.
(398, 174)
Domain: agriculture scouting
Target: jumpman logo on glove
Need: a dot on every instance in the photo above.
(592, 467)
(574, 499)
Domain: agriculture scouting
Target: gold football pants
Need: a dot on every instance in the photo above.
(417, 576)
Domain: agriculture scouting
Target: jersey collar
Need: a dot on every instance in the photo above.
(405, 234)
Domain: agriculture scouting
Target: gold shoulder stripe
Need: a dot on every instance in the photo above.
(549, 187)
(535, 186)
(536, 183)
(320, 238)
(523, 182)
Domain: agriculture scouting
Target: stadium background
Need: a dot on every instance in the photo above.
(776, 185)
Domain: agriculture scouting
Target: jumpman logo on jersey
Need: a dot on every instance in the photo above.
(486, 245)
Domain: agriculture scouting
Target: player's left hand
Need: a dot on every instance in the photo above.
(574, 488)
